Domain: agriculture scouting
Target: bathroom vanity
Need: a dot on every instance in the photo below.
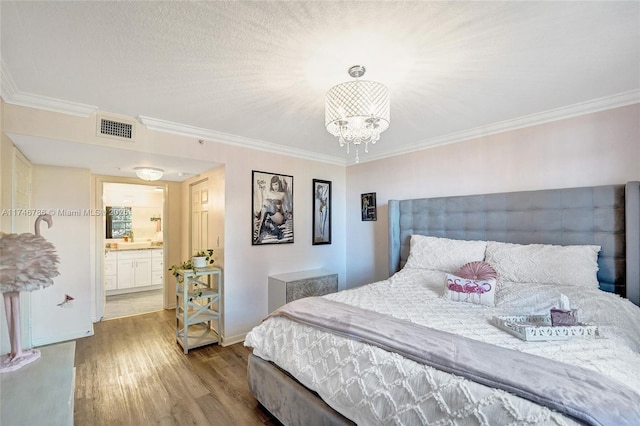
(129, 268)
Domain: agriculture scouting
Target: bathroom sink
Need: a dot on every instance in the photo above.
(134, 245)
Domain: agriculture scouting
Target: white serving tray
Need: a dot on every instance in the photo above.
(539, 328)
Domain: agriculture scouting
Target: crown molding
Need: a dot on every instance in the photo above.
(8, 87)
(229, 139)
(11, 95)
(601, 104)
(50, 104)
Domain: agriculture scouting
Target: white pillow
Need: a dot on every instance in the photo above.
(443, 254)
(544, 263)
(479, 292)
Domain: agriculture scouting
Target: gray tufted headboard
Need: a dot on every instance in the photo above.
(590, 215)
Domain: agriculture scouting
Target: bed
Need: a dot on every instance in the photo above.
(304, 373)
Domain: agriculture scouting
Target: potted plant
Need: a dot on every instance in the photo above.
(200, 259)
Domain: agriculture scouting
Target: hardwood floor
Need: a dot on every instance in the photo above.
(132, 372)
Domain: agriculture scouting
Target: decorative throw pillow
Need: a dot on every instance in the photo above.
(545, 264)
(477, 271)
(479, 292)
(442, 254)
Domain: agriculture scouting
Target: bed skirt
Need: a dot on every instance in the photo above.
(288, 400)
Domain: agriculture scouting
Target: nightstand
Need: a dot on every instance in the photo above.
(285, 288)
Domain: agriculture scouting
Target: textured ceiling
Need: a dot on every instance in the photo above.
(260, 70)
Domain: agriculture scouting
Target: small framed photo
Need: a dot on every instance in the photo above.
(272, 208)
(321, 212)
(368, 206)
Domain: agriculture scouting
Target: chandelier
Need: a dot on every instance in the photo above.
(149, 173)
(356, 112)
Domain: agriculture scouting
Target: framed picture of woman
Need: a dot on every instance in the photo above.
(272, 212)
(321, 212)
(368, 206)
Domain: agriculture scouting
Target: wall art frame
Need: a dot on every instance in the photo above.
(272, 208)
(368, 206)
(321, 233)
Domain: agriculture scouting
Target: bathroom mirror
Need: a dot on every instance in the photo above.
(118, 221)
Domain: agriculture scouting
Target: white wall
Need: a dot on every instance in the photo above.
(246, 267)
(595, 149)
(64, 189)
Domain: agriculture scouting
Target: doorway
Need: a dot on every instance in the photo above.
(199, 215)
(133, 249)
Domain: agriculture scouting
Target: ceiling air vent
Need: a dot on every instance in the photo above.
(116, 128)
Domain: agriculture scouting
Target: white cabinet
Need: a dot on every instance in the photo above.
(198, 320)
(110, 283)
(142, 272)
(133, 270)
(157, 268)
(125, 274)
(110, 271)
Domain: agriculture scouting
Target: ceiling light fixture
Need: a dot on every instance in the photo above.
(149, 173)
(356, 112)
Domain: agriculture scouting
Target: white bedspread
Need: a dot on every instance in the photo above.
(371, 386)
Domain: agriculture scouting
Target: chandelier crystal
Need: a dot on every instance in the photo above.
(149, 173)
(356, 112)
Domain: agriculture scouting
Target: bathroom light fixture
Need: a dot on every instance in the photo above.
(356, 112)
(149, 173)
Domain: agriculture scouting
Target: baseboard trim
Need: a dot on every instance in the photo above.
(64, 338)
(232, 340)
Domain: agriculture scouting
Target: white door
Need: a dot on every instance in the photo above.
(20, 223)
(199, 216)
(21, 194)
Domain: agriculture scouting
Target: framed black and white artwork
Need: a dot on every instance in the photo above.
(368, 206)
(321, 212)
(272, 208)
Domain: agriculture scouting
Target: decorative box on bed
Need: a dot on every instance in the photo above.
(366, 384)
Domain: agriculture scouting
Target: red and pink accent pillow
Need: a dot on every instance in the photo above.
(475, 282)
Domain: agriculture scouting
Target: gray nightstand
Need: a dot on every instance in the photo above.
(285, 288)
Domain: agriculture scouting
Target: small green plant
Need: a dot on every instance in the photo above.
(187, 264)
(184, 265)
(208, 254)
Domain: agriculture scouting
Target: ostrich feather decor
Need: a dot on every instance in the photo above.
(27, 262)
